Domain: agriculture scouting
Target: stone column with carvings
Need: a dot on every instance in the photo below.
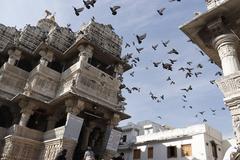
(14, 55)
(87, 131)
(74, 106)
(226, 45)
(46, 57)
(27, 108)
(85, 52)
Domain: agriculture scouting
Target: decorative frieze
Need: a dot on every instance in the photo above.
(229, 85)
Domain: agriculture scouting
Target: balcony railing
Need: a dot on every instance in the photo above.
(43, 83)
(25, 132)
(12, 80)
(91, 82)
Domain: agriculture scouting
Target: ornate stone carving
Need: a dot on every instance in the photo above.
(74, 106)
(213, 3)
(236, 124)
(227, 45)
(229, 85)
(45, 57)
(85, 52)
(14, 55)
(27, 108)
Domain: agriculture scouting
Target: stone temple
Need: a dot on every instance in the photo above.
(60, 89)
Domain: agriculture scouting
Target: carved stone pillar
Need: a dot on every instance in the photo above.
(27, 108)
(85, 52)
(14, 55)
(226, 46)
(74, 106)
(89, 128)
(46, 57)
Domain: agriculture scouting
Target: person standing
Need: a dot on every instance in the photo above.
(89, 154)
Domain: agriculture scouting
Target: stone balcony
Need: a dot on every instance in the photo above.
(42, 83)
(25, 132)
(46, 84)
(90, 83)
(12, 80)
(229, 85)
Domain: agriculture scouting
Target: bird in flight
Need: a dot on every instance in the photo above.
(114, 9)
(140, 38)
(78, 10)
(160, 11)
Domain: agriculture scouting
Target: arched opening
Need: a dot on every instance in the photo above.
(6, 119)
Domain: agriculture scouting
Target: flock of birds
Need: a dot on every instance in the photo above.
(189, 70)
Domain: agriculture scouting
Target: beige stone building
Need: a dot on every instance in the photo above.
(217, 33)
(59, 90)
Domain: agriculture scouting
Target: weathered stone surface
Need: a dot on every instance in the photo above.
(49, 71)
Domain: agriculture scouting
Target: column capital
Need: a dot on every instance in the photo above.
(46, 56)
(225, 39)
(74, 106)
(119, 68)
(14, 55)
(85, 50)
(115, 120)
(27, 107)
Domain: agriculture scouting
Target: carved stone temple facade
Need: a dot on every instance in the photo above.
(217, 33)
(60, 89)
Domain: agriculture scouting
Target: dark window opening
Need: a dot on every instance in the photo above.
(25, 65)
(214, 149)
(171, 152)
(38, 120)
(3, 59)
(56, 66)
(136, 154)
(70, 62)
(61, 122)
(6, 119)
(109, 69)
(150, 152)
(124, 138)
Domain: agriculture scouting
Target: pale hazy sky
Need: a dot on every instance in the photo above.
(136, 17)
